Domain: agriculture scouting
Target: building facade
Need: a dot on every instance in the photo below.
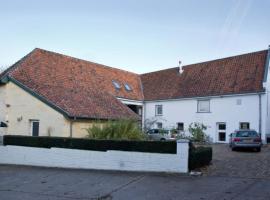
(49, 94)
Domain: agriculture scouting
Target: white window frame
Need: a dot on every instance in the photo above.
(159, 123)
(156, 110)
(180, 123)
(221, 131)
(244, 123)
(199, 110)
(31, 125)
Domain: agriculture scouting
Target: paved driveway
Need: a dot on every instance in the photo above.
(245, 163)
(32, 183)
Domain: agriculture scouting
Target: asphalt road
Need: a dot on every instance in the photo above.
(33, 183)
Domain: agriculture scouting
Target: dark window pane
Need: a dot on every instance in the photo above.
(244, 125)
(156, 131)
(222, 136)
(180, 126)
(159, 125)
(222, 126)
(159, 110)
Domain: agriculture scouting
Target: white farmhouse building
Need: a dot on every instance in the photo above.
(46, 93)
(225, 95)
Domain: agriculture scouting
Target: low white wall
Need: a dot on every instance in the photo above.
(110, 160)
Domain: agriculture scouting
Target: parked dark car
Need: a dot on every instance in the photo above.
(245, 139)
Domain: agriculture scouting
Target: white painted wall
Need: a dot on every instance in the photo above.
(267, 101)
(24, 107)
(3, 108)
(222, 109)
(110, 160)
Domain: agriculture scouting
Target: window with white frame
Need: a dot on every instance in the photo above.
(159, 125)
(159, 110)
(203, 106)
(244, 125)
(180, 126)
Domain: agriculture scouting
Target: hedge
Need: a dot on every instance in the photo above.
(199, 157)
(91, 144)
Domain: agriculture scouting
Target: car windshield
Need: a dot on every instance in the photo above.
(246, 134)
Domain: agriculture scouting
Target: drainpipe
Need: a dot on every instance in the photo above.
(143, 116)
(260, 114)
(71, 127)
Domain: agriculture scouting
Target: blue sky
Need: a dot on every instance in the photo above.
(135, 35)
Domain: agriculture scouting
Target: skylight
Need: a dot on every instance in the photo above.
(127, 87)
(116, 85)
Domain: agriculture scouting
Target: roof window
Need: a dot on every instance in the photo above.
(127, 87)
(116, 85)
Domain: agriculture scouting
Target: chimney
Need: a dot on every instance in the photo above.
(180, 67)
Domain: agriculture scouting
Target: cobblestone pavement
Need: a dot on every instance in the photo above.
(241, 163)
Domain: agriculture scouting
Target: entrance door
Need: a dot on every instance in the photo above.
(221, 132)
(35, 128)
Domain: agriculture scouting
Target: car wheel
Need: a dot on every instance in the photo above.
(233, 148)
(162, 139)
(258, 149)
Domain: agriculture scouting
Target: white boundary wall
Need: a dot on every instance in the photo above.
(109, 160)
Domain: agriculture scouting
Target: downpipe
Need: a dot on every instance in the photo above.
(260, 114)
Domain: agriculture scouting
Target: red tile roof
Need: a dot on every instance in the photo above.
(232, 75)
(84, 89)
(80, 88)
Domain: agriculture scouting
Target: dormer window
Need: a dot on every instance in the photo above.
(116, 85)
(127, 87)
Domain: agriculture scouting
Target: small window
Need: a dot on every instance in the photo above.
(159, 110)
(34, 127)
(203, 106)
(244, 125)
(116, 85)
(221, 126)
(180, 126)
(127, 87)
(159, 125)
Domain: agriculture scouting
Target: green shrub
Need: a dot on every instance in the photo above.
(199, 157)
(197, 132)
(91, 144)
(124, 129)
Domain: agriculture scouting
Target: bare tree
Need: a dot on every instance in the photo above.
(3, 68)
(149, 123)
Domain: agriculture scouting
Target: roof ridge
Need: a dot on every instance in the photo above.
(80, 59)
(243, 54)
(228, 57)
(160, 70)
